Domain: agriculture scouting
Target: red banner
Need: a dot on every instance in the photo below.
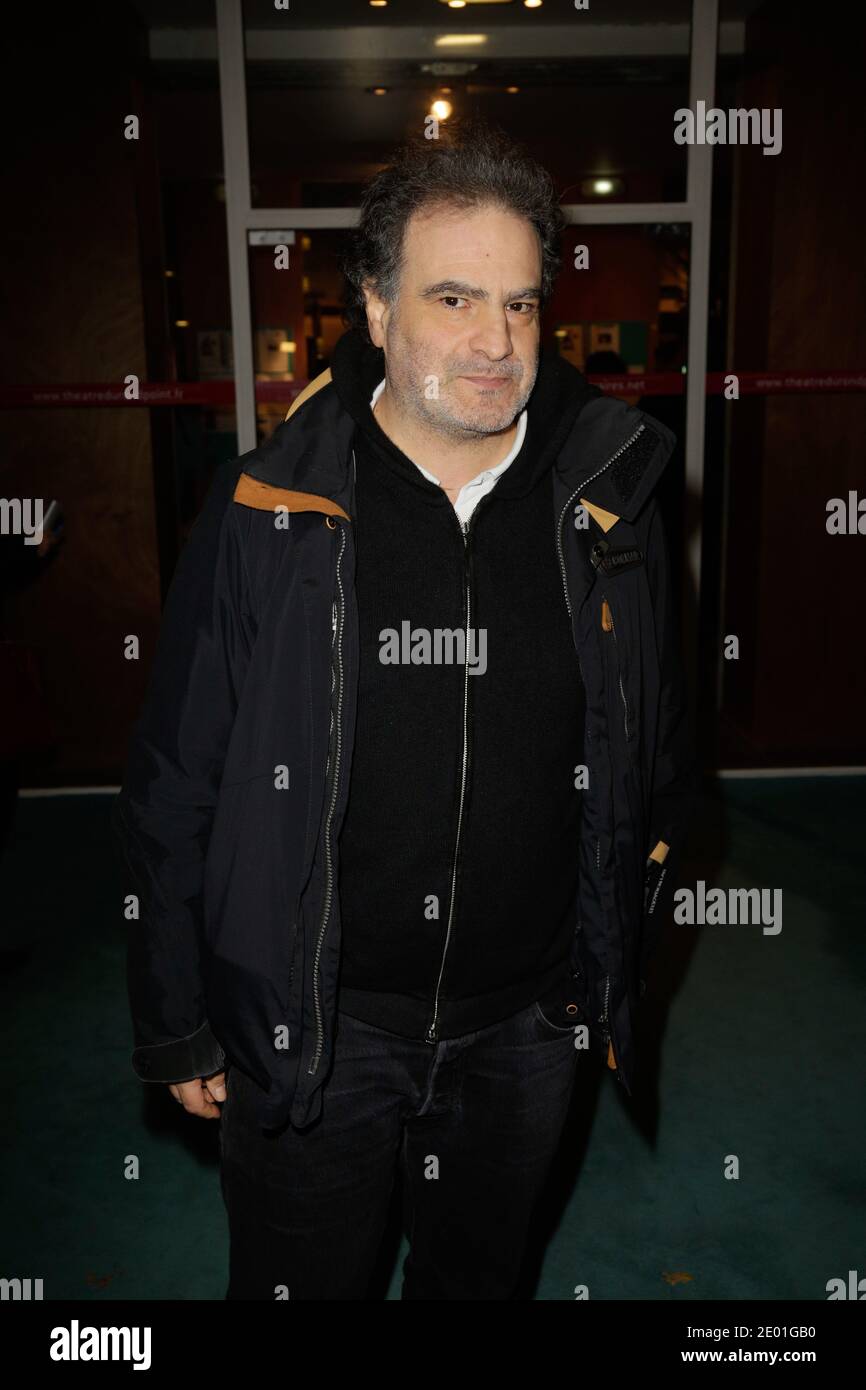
(150, 393)
(732, 384)
(222, 393)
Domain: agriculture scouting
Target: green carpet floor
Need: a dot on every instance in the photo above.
(752, 1046)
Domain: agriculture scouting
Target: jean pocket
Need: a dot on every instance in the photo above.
(562, 1023)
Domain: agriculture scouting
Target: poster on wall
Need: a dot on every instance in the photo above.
(628, 339)
(273, 353)
(569, 336)
(214, 352)
(604, 337)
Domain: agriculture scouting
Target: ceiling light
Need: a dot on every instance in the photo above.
(602, 186)
(441, 110)
(459, 40)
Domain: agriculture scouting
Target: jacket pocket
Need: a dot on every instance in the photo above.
(617, 658)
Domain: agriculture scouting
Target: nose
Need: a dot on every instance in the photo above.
(491, 334)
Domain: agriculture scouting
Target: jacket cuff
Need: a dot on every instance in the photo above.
(182, 1059)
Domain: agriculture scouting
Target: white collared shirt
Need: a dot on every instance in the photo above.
(472, 492)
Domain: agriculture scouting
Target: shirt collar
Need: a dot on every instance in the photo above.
(487, 472)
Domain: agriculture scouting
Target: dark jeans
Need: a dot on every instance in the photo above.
(473, 1122)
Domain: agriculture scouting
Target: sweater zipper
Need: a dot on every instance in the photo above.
(335, 748)
(465, 533)
(621, 450)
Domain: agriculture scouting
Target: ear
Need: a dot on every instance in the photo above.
(376, 312)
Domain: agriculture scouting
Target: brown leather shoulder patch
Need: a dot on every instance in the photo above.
(249, 492)
(605, 519)
(309, 390)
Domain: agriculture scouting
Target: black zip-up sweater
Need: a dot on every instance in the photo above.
(458, 852)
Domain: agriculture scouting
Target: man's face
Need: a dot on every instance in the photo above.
(461, 341)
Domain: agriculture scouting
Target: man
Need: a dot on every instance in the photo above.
(413, 760)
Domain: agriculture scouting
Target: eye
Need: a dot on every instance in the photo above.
(453, 298)
(524, 304)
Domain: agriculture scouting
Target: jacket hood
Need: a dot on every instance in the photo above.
(599, 447)
(558, 395)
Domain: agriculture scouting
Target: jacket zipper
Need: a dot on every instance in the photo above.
(603, 1019)
(433, 1031)
(613, 458)
(621, 450)
(335, 748)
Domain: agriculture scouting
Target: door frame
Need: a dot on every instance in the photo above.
(242, 218)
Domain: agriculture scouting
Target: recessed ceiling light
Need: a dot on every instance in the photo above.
(459, 40)
(603, 186)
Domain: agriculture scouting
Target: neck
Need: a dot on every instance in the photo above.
(453, 461)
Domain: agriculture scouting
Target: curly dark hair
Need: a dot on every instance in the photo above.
(472, 164)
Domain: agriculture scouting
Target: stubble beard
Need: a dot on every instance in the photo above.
(408, 381)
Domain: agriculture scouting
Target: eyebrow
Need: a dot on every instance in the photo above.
(459, 287)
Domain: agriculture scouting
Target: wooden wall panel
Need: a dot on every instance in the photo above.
(794, 592)
(74, 313)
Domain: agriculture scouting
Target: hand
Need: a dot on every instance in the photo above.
(198, 1096)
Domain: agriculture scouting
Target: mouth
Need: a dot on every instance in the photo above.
(488, 383)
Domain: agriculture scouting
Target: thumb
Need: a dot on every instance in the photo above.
(216, 1085)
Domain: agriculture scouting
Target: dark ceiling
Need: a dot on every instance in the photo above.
(321, 14)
